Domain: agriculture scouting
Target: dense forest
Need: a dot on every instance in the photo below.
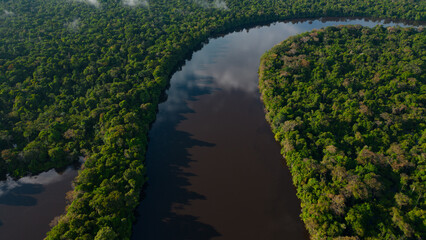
(83, 78)
(347, 105)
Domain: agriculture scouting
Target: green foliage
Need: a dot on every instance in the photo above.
(85, 80)
(106, 233)
(347, 105)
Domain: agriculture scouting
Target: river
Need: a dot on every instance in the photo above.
(29, 204)
(215, 171)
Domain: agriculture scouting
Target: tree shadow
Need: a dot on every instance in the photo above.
(167, 158)
(19, 195)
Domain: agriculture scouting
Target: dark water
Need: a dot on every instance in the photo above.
(214, 168)
(215, 171)
(28, 205)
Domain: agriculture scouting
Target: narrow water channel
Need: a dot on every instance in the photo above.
(29, 204)
(215, 171)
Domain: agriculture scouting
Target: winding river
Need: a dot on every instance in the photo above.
(215, 171)
(214, 168)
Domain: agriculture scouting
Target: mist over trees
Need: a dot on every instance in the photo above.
(84, 78)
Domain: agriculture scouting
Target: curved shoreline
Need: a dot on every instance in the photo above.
(89, 181)
(154, 155)
(326, 133)
(202, 41)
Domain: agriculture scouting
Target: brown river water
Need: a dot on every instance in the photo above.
(215, 171)
(28, 205)
(214, 168)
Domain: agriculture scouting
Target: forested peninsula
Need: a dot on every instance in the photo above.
(347, 105)
(83, 78)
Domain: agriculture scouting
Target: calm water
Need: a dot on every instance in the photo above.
(28, 205)
(215, 171)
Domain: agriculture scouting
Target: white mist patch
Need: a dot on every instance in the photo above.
(202, 3)
(134, 3)
(91, 2)
(74, 25)
(8, 13)
(219, 4)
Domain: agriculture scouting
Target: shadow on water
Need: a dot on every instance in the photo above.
(18, 196)
(167, 157)
(172, 208)
(28, 204)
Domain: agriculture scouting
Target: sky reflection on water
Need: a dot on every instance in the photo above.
(214, 168)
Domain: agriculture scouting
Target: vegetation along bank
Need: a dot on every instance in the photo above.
(84, 78)
(347, 105)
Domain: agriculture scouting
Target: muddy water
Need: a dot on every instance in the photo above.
(28, 205)
(215, 171)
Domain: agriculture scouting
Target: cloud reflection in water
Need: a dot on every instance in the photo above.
(25, 183)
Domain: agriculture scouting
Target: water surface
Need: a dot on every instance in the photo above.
(29, 204)
(215, 171)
